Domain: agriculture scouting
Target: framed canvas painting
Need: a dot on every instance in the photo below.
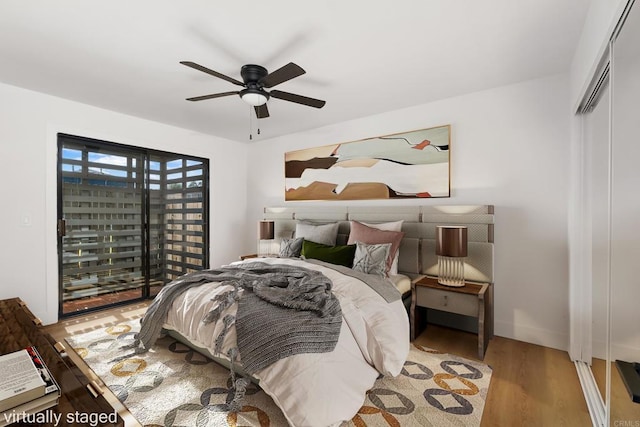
(406, 165)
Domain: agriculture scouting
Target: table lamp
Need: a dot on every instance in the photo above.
(451, 248)
(266, 233)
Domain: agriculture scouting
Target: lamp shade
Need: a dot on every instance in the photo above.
(266, 230)
(451, 241)
(254, 97)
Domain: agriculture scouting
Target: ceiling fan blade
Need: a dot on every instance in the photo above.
(282, 74)
(213, 95)
(262, 112)
(298, 99)
(211, 72)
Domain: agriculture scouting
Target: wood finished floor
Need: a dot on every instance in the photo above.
(531, 385)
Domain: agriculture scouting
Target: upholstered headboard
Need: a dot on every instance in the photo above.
(417, 250)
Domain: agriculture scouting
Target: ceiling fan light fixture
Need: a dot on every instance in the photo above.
(255, 79)
(254, 97)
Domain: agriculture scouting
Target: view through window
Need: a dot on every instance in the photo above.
(130, 221)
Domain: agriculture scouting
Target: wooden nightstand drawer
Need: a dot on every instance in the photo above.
(465, 304)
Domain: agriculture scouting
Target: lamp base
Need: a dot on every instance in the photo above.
(264, 248)
(450, 284)
(451, 271)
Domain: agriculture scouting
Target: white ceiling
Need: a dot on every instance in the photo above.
(362, 57)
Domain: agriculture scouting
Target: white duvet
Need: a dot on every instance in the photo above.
(316, 389)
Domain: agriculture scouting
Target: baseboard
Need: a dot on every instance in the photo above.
(624, 352)
(531, 335)
(599, 349)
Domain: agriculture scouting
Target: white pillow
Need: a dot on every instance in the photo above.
(385, 226)
(388, 226)
(325, 234)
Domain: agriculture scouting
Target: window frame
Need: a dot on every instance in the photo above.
(147, 155)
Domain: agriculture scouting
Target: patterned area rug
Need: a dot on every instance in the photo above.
(173, 385)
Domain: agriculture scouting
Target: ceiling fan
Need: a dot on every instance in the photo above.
(255, 80)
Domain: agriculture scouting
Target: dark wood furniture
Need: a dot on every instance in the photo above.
(19, 328)
(473, 299)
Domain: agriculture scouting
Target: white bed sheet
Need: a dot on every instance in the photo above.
(316, 389)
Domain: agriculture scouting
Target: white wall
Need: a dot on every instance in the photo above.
(29, 122)
(509, 148)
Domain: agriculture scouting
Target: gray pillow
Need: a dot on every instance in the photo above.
(371, 259)
(290, 248)
(324, 234)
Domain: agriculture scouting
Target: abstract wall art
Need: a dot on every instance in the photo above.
(406, 165)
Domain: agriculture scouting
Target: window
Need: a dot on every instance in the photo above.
(130, 221)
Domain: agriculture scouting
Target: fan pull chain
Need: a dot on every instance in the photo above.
(251, 125)
(257, 124)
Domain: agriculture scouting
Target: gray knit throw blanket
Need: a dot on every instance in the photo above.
(285, 310)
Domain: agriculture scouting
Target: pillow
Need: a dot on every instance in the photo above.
(339, 255)
(386, 226)
(290, 248)
(389, 226)
(325, 234)
(362, 233)
(371, 259)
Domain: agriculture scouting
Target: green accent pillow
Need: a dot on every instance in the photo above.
(339, 255)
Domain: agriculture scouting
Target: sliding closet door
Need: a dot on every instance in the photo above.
(596, 141)
(625, 214)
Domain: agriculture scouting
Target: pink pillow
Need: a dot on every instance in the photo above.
(372, 236)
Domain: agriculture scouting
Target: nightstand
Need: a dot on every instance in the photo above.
(473, 299)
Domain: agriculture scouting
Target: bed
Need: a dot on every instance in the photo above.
(328, 387)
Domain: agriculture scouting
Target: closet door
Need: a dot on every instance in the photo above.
(625, 213)
(596, 139)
